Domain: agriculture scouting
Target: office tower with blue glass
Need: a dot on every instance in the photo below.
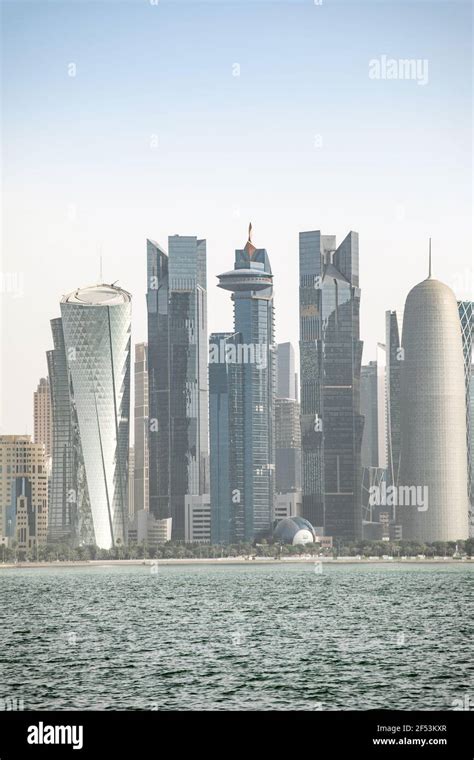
(330, 358)
(250, 360)
(219, 438)
(177, 377)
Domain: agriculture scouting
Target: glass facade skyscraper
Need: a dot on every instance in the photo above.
(466, 315)
(140, 448)
(177, 377)
(91, 359)
(330, 357)
(373, 409)
(394, 361)
(287, 423)
(251, 394)
(70, 517)
(286, 375)
(287, 445)
(219, 437)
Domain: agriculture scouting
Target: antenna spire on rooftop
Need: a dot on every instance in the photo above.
(249, 246)
(429, 266)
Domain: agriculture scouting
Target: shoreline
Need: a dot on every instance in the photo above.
(64, 564)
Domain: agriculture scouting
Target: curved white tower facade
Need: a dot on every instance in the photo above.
(97, 328)
(433, 417)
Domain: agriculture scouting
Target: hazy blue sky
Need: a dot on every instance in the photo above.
(302, 139)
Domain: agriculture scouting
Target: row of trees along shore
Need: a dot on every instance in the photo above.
(178, 550)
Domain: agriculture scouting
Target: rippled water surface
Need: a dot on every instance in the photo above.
(272, 637)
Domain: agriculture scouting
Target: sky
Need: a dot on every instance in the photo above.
(127, 120)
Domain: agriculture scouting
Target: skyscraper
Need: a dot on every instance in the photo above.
(96, 325)
(368, 407)
(42, 416)
(373, 408)
(220, 438)
(287, 424)
(286, 375)
(394, 359)
(23, 492)
(330, 357)
(287, 445)
(466, 315)
(131, 483)
(251, 393)
(471, 448)
(140, 457)
(70, 518)
(433, 416)
(177, 377)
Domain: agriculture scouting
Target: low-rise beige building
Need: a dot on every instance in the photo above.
(23, 492)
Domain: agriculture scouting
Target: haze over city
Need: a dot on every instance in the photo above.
(130, 120)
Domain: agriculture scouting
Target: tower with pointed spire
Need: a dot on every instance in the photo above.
(250, 382)
(433, 416)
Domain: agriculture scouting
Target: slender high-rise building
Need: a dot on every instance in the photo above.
(131, 483)
(433, 417)
(42, 416)
(394, 359)
(330, 358)
(251, 393)
(373, 408)
(287, 445)
(177, 377)
(286, 375)
(368, 407)
(219, 437)
(94, 335)
(466, 315)
(471, 448)
(287, 423)
(70, 517)
(140, 449)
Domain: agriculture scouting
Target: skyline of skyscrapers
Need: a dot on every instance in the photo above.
(217, 450)
(330, 360)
